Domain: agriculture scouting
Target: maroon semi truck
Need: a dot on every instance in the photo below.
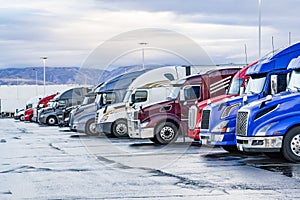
(164, 121)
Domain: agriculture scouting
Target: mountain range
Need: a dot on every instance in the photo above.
(62, 75)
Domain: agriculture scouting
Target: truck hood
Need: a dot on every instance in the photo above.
(213, 100)
(281, 98)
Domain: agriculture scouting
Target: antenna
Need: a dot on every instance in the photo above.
(290, 38)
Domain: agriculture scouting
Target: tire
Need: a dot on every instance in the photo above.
(22, 117)
(230, 149)
(51, 120)
(120, 128)
(291, 145)
(166, 133)
(90, 127)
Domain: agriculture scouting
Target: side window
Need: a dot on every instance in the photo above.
(141, 96)
(192, 92)
(282, 82)
(62, 103)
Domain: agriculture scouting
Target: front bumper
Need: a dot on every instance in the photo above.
(135, 130)
(194, 134)
(259, 144)
(218, 139)
(104, 128)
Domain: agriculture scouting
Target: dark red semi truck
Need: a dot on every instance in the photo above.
(164, 121)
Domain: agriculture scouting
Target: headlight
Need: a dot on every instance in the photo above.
(228, 110)
(221, 127)
(104, 118)
(264, 129)
(143, 125)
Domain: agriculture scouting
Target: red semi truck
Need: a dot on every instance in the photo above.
(164, 121)
(236, 88)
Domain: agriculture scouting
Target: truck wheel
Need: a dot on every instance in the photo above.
(51, 120)
(22, 118)
(291, 145)
(166, 133)
(90, 127)
(120, 129)
(230, 149)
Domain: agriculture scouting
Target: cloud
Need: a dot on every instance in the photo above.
(68, 31)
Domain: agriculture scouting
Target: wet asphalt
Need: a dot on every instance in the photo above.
(40, 162)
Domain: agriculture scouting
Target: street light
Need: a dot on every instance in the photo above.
(36, 81)
(143, 53)
(259, 28)
(44, 62)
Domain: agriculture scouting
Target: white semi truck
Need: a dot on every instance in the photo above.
(148, 88)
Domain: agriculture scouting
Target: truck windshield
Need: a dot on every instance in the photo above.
(235, 86)
(294, 83)
(255, 85)
(174, 92)
(88, 100)
(127, 96)
(98, 99)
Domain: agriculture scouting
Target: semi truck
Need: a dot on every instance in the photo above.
(236, 88)
(43, 103)
(112, 119)
(82, 119)
(164, 121)
(218, 123)
(50, 115)
(272, 125)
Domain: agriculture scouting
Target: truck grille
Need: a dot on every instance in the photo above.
(242, 123)
(136, 115)
(205, 119)
(192, 117)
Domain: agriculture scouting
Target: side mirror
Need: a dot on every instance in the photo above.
(274, 88)
(132, 99)
(181, 95)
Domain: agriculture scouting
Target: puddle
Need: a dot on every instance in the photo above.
(292, 171)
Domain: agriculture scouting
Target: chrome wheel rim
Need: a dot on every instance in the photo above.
(121, 129)
(51, 121)
(295, 145)
(92, 128)
(167, 133)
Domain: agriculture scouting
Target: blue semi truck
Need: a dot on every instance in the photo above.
(218, 123)
(272, 124)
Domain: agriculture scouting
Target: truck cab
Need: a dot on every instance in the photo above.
(43, 103)
(272, 124)
(82, 119)
(164, 121)
(52, 115)
(218, 121)
(236, 88)
(112, 119)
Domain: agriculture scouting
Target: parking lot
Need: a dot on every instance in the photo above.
(53, 163)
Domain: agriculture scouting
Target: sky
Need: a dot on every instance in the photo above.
(68, 32)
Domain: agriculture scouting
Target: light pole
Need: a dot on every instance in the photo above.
(259, 28)
(44, 62)
(143, 54)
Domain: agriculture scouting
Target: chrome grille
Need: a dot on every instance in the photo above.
(192, 117)
(205, 119)
(242, 123)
